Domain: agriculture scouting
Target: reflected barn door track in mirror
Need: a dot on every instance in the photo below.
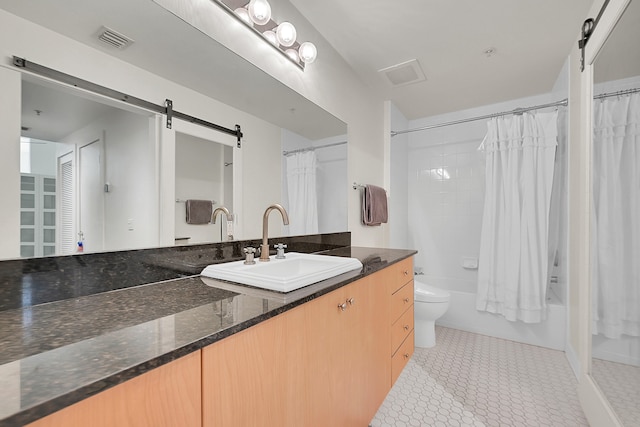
(615, 249)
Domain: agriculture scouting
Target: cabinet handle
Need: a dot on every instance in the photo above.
(406, 272)
(342, 306)
(406, 327)
(406, 355)
(351, 301)
(406, 300)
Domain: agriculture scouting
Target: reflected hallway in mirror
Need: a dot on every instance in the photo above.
(88, 173)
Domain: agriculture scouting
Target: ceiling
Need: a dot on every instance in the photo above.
(530, 42)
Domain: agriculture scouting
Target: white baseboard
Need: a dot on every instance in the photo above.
(573, 359)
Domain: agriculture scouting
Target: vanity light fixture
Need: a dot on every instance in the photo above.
(256, 14)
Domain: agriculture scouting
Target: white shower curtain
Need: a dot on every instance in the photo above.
(616, 217)
(513, 263)
(303, 197)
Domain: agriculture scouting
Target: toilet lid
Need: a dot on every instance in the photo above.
(426, 293)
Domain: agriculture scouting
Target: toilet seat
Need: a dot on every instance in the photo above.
(427, 293)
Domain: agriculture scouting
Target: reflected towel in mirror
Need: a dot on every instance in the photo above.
(199, 211)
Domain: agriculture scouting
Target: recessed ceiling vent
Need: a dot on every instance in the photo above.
(114, 38)
(405, 73)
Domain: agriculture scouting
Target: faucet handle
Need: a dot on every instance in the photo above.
(280, 250)
(249, 251)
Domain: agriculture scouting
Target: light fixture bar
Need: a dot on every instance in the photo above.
(271, 25)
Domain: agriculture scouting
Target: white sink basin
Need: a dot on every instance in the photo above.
(283, 275)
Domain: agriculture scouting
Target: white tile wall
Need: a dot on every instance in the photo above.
(446, 188)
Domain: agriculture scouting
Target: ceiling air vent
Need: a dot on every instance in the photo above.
(404, 74)
(114, 38)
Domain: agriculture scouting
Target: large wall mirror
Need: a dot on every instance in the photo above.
(615, 247)
(89, 167)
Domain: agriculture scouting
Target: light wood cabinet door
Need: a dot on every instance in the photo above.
(345, 347)
(244, 379)
(166, 396)
(367, 340)
(321, 349)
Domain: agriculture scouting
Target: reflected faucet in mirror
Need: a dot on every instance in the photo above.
(224, 210)
(264, 248)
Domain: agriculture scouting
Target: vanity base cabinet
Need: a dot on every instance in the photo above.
(324, 363)
(244, 377)
(345, 353)
(400, 288)
(166, 396)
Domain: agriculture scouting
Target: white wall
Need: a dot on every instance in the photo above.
(399, 195)
(329, 82)
(332, 193)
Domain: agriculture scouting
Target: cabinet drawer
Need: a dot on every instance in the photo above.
(401, 329)
(401, 273)
(402, 356)
(401, 300)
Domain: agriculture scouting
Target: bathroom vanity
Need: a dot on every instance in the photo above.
(188, 352)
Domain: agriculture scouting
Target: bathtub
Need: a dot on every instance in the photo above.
(462, 314)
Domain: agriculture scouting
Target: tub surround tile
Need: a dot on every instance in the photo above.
(58, 353)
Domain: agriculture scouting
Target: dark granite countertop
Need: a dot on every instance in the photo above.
(57, 353)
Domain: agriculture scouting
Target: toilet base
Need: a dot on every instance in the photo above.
(425, 333)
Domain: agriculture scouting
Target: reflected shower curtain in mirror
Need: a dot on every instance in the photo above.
(615, 225)
(303, 195)
(512, 274)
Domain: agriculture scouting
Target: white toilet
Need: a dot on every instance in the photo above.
(429, 304)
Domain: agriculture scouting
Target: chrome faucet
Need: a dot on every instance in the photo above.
(264, 248)
(214, 215)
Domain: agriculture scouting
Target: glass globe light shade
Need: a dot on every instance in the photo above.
(308, 52)
(259, 11)
(286, 34)
(271, 36)
(293, 54)
(244, 15)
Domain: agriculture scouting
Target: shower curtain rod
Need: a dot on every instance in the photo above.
(301, 150)
(618, 93)
(487, 116)
(516, 111)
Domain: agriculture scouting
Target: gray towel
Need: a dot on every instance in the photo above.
(199, 211)
(374, 205)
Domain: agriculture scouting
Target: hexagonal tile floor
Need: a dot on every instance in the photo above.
(469, 379)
